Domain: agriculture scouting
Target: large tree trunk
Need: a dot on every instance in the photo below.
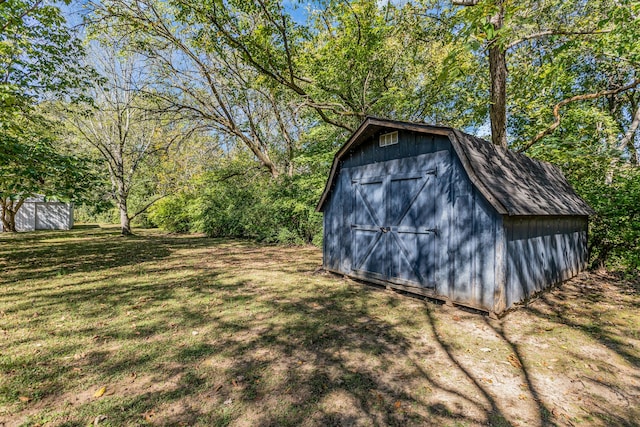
(498, 108)
(498, 75)
(8, 219)
(11, 221)
(9, 211)
(125, 220)
(3, 216)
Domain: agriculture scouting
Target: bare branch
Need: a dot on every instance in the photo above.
(554, 33)
(465, 2)
(628, 136)
(556, 110)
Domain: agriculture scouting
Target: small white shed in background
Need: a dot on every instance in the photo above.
(38, 214)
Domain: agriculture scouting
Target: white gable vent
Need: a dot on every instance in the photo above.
(388, 139)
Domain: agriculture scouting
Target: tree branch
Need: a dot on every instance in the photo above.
(465, 2)
(556, 110)
(628, 136)
(148, 205)
(32, 8)
(554, 33)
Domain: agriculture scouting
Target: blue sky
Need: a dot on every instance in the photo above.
(297, 9)
(73, 12)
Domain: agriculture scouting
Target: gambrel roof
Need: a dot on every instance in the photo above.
(513, 183)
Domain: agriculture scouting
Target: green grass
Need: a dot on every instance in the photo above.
(186, 330)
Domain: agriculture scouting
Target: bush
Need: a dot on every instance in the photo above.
(171, 214)
(229, 203)
(614, 231)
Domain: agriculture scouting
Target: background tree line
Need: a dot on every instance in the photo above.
(223, 116)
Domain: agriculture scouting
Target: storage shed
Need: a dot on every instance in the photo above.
(437, 212)
(37, 213)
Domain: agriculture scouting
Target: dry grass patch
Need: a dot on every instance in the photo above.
(195, 331)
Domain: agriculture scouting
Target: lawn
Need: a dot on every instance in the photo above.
(184, 330)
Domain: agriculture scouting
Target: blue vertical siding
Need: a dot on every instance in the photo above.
(337, 232)
(542, 251)
(472, 244)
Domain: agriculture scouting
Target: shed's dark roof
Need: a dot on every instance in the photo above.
(513, 183)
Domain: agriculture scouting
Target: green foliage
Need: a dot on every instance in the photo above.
(277, 94)
(172, 213)
(240, 201)
(39, 55)
(39, 58)
(615, 229)
(31, 162)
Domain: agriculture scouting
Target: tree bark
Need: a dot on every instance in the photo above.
(125, 221)
(498, 75)
(12, 221)
(7, 223)
(9, 211)
(627, 141)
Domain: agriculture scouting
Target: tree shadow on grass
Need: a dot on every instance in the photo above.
(314, 359)
(36, 257)
(249, 335)
(583, 307)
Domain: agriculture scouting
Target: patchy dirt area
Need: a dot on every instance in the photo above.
(184, 330)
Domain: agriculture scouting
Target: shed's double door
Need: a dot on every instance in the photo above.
(393, 227)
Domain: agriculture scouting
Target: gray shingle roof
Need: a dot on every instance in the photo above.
(513, 183)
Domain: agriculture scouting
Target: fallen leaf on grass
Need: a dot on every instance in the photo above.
(100, 392)
(24, 399)
(397, 405)
(514, 361)
(148, 416)
(456, 318)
